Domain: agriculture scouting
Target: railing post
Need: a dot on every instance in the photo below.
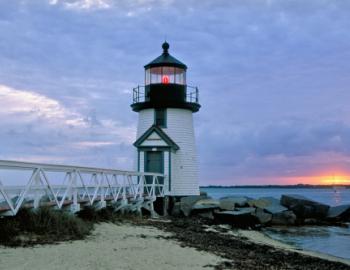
(37, 192)
(102, 191)
(124, 200)
(75, 206)
(154, 187)
(138, 93)
(141, 186)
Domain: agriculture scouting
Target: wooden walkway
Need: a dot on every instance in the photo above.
(33, 185)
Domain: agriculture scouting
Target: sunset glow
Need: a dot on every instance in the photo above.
(322, 179)
(335, 179)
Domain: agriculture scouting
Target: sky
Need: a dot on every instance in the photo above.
(273, 77)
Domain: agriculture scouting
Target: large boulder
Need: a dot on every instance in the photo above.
(268, 204)
(242, 217)
(304, 208)
(230, 202)
(205, 207)
(262, 216)
(205, 204)
(259, 203)
(206, 214)
(187, 203)
(284, 218)
(275, 209)
(340, 212)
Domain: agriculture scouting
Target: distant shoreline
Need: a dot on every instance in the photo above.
(279, 186)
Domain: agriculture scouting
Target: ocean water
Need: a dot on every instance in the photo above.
(328, 196)
(325, 239)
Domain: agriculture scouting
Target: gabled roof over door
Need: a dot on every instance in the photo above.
(155, 137)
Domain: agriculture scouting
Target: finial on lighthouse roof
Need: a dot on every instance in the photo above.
(165, 47)
(165, 59)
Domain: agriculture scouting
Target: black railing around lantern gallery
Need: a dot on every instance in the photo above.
(139, 94)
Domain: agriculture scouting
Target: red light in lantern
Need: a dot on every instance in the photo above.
(165, 79)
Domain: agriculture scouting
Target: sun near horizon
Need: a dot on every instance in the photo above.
(339, 178)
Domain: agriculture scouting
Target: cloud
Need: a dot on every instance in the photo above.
(27, 106)
(273, 81)
(82, 4)
(33, 123)
(276, 150)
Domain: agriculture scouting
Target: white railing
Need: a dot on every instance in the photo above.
(24, 184)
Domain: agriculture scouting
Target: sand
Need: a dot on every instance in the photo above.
(111, 246)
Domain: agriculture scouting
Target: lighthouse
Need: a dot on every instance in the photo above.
(165, 140)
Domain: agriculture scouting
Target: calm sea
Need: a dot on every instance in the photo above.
(331, 240)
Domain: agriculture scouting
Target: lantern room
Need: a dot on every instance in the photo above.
(165, 75)
(165, 69)
(165, 85)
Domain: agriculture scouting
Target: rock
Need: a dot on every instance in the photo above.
(186, 203)
(230, 202)
(205, 204)
(206, 214)
(243, 217)
(284, 218)
(242, 211)
(205, 207)
(275, 209)
(303, 207)
(203, 193)
(311, 221)
(176, 210)
(259, 203)
(269, 204)
(340, 212)
(262, 216)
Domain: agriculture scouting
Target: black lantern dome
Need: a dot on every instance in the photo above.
(165, 85)
(165, 59)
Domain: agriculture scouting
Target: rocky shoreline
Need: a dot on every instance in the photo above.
(191, 216)
(239, 252)
(245, 212)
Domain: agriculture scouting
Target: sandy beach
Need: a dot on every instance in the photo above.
(111, 246)
(167, 244)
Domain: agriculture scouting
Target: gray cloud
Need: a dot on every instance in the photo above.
(273, 78)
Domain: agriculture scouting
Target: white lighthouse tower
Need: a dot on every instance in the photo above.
(165, 135)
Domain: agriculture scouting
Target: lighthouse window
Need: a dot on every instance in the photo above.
(180, 76)
(156, 75)
(147, 77)
(160, 117)
(165, 75)
(168, 75)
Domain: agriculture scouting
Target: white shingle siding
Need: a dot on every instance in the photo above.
(142, 161)
(146, 120)
(184, 162)
(184, 168)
